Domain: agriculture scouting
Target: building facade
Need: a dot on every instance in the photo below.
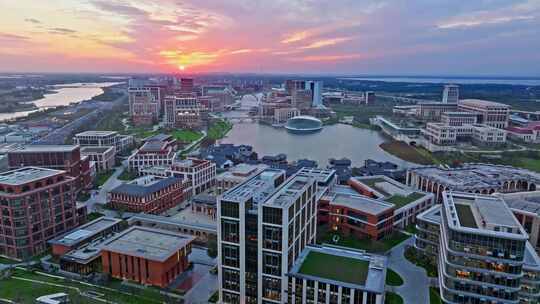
(149, 194)
(490, 113)
(104, 138)
(103, 157)
(159, 150)
(37, 204)
(58, 157)
(146, 256)
(144, 106)
(184, 111)
(263, 226)
(237, 175)
(199, 172)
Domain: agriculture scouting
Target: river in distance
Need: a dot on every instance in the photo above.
(334, 141)
(63, 96)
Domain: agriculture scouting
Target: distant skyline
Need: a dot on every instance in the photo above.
(347, 37)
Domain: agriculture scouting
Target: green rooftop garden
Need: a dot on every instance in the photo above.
(186, 135)
(325, 235)
(338, 268)
(371, 183)
(400, 200)
(466, 217)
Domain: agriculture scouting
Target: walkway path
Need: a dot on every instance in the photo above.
(415, 290)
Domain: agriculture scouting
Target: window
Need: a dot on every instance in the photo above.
(230, 231)
(271, 263)
(230, 255)
(229, 209)
(272, 215)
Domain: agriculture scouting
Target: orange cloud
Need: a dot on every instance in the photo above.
(188, 59)
(326, 42)
(295, 37)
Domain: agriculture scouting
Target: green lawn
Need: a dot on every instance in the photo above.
(102, 177)
(434, 297)
(219, 129)
(393, 298)
(337, 268)
(465, 215)
(401, 201)
(186, 135)
(127, 175)
(419, 259)
(381, 246)
(33, 290)
(94, 215)
(214, 298)
(393, 278)
(7, 261)
(411, 228)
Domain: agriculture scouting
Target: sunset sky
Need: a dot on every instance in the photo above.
(479, 37)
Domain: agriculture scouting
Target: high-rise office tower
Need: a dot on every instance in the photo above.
(263, 226)
(450, 93)
(316, 93)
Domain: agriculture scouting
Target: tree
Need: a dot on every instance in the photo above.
(212, 247)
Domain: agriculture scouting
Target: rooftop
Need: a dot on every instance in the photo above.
(524, 201)
(323, 176)
(148, 243)
(138, 189)
(474, 176)
(346, 196)
(26, 175)
(260, 187)
(97, 133)
(46, 148)
(289, 192)
(433, 215)
(348, 268)
(485, 213)
(85, 231)
(390, 190)
(482, 103)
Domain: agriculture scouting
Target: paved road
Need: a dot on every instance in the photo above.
(101, 197)
(416, 286)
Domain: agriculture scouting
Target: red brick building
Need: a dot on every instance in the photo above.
(346, 211)
(37, 204)
(149, 194)
(59, 157)
(147, 256)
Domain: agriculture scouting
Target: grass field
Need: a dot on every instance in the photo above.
(186, 135)
(27, 292)
(434, 297)
(102, 177)
(337, 268)
(219, 129)
(406, 152)
(393, 298)
(324, 235)
(393, 278)
(418, 259)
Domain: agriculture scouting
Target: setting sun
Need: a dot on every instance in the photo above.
(181, 67)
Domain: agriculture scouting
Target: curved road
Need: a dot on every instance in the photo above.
(415, 289)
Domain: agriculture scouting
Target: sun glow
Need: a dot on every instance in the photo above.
(182, 67)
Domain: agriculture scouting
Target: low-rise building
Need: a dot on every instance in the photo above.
(37, 204)
(440, 134)
(103, 157)
(433, 111)
(104, 138)
(199, 172)
(146, 256)
(489, 113)
(149, 194)
(335, 275)
(484, 135)
(472, 178)
(408, 202)
(79, 249)
(204, 204)
(281, 115)
(159, 150)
